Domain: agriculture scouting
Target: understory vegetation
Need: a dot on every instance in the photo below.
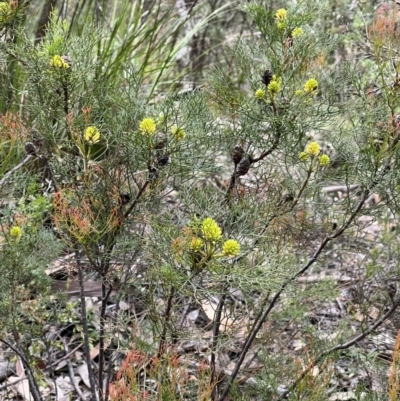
(198, 200)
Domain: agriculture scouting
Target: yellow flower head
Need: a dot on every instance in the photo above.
(196, 244)
(259, 94)
(312, 149)
(281, 14)
(147, 126)
(210, 229)
(303, 156)
(297, 32)
(15, 233)
(58, 62)
(299, 92)
(311, 86)
(231, 248)
(275, 85)
(324, 160)
(178, 132)
(92, 135)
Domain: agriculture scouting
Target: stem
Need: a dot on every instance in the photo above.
(215, 334)
(17, 167)
(257, 326)
(85, 326)
(71, 372)
(104, 298)
(342, 346)
(33, 387)
(135, 201)
(163, 336)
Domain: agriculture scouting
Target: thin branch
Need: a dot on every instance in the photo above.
(215, 334)
(62, 358)
(14, 169)
(257, 326)
(72, 374)
(85, 326)
(342, 346)
(33, 386)
(163, 336)
(135, 201)
(274, 145)
(105, 295)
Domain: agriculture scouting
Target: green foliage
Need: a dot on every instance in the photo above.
(217, 199)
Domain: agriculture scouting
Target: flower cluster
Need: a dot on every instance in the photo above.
(210, 229)
(312, 150)
(259, 94)
(91, 135)
(324, 160)
(297, 32)
(274, 86)
(231, 248)
(311, 86)
(147, 127)
(281, 16)
(59, 62)
(178, 132)
(15, 233)
(204, 241)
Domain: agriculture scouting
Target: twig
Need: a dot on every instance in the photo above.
(342, 346)
(85, 326)
(64, 357)
(72, 374)
(4, 386)
(341, 188)
(33, 387)
(257, 326)
(134, 202)
(163, 336)
(17, 167)
(105, 295)
(215, 334)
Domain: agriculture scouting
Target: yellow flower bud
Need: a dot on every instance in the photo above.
(58, 62)
(196, 244)
(92, 135)
(178, 132)
(297, 32)
(231, 248)
(147, 126)
(210, 229)
(312, 149)
(311, 85)
(281, 14)
(259, 94)
(303, 157)
(324, 160)
(15, 233)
